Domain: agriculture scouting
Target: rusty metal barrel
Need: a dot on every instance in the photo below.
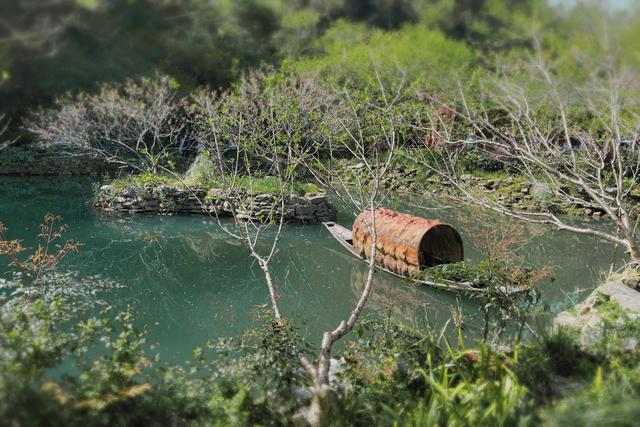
(405, 243)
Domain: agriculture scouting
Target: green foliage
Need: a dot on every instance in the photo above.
(556, 357)
(31, 343)
(351, 53)
(199, 42)
(620, 330)
(273, 185)
(253, 185)
(384, 14)
(484, 274)
(490, 25)
(489, 395)
(113, 380)
(202, 171)
(68, 367)
(480, 162)
(410, 377)
(216, 41)
(434, 42)
(146, 179)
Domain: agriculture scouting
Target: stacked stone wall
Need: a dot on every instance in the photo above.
(167, 200)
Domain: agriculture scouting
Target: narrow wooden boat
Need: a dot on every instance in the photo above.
(344, 237)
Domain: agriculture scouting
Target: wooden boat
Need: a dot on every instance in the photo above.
(344, 237)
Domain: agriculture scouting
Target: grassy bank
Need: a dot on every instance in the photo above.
(254, 186)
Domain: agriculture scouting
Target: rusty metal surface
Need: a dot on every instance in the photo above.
(406, 243)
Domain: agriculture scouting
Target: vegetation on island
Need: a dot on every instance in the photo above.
(522, 108)
(262, 185)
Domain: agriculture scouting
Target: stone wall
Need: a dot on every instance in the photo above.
(167, 200)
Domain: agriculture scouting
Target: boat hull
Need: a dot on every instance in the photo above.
(344, 237)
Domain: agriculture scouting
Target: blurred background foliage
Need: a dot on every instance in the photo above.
(50, 47)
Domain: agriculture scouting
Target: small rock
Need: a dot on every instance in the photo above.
(489, 184)
(263, 198)
(317, 200)
(632, 282)
(129, 192)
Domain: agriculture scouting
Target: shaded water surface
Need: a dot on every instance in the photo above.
(190, 281)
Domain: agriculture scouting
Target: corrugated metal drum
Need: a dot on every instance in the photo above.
(407, 244)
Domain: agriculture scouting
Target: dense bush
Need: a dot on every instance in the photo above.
(71, 45)
(136, 125)
(611, 400)
(114, 380)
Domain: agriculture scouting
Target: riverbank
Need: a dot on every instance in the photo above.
(509, 190)
(51, 161)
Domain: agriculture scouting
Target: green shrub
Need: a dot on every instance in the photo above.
(483, 274)
(554, 358)
(390, 374)
(353, 53)
(115, 380)
(397, 375)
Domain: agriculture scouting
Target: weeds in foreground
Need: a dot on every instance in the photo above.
(46, 257)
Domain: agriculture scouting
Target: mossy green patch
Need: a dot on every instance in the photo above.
(146, 179)
(510, 188)
(268, 185)
(249, 184)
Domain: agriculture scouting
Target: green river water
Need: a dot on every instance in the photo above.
(189, 281)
